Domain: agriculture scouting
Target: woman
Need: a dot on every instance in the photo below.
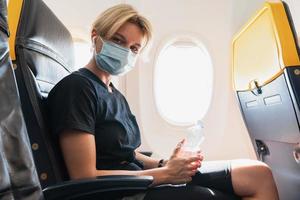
(99, 135)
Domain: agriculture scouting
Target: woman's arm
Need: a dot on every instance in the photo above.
(79, 153)
(149, 163)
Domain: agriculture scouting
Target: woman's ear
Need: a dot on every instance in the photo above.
(94, 37)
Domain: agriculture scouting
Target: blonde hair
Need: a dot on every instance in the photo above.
(108, 22)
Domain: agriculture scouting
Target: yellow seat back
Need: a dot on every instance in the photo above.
(263, 48)
(14, 12)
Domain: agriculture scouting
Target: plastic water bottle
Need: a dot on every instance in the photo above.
(194, 138)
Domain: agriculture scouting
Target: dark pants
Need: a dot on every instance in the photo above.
(212, 181)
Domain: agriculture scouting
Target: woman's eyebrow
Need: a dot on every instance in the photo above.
(121, 36)
(125, 40)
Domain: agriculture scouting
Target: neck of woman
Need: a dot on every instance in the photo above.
(102, 75)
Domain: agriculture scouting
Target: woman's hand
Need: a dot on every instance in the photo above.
(180, 168)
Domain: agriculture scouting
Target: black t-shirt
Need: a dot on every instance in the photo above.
(81, 101)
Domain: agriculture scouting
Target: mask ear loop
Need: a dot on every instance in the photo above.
(94, 44)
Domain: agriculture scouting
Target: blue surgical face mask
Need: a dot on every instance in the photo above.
(115, 59)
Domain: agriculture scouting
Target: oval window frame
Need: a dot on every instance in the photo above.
(186, 38)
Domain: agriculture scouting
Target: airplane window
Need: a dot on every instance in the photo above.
(183, 82)
(82, 51)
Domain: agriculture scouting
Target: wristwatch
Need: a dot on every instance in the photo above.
(160, 163)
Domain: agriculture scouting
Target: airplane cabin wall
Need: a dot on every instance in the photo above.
(211, 22)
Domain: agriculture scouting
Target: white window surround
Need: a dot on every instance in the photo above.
(82, 51)
(189, 80)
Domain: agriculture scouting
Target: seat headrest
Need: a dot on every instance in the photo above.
(40, 30)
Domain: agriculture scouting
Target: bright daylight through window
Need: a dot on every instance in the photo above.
(183, 82)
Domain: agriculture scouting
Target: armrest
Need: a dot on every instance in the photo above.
(80, 189)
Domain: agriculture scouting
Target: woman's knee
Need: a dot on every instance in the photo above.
(252, 178)
(262, 170)
(252, 166)
(247, 173)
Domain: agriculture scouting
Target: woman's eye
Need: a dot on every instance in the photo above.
(134, 50)
(117, 41)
